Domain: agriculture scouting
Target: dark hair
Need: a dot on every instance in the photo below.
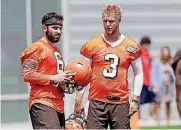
(51, 15)
(145, 40)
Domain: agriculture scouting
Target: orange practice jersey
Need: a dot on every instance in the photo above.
(49, 62)
(110, 68)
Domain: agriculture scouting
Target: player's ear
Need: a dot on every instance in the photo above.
(44, 28)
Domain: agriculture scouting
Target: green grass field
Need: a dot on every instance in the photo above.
(162, 127)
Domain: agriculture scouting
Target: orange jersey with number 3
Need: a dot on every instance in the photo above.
(49, 62)
(110, 68)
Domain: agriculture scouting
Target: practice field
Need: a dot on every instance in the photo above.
(163, 127)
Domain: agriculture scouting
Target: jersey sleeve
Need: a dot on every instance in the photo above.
(33, 53)
(88, 50)
(30, 60)
(134, 50)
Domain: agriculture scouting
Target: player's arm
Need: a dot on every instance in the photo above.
(30, 59)
(138, 77)
(78, 100)
(31, 75)
(138, 83)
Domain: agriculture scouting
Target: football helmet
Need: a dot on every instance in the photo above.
(83, 71)
(75, 122)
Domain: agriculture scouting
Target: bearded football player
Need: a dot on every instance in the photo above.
(43, 67)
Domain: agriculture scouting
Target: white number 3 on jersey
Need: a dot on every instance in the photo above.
(114, 63)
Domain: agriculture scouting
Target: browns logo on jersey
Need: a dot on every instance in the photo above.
(49, 62)
(110, 68)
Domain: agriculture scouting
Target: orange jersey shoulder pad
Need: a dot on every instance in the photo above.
(34, 51)
(89, 48)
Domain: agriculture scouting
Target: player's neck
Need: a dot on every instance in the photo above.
(113, 37)
(49, 42)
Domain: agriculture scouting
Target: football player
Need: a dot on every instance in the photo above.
(43, 67)
(110, 55)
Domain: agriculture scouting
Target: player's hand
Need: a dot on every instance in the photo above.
(133, 108)
(81, 112)
(63, 78)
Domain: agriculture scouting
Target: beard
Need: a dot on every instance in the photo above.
(53, 38)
